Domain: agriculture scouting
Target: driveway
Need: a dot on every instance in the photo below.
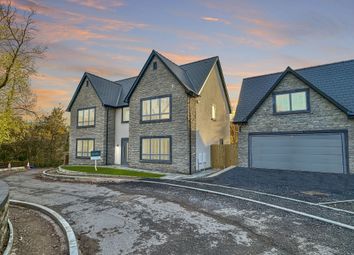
(309, 186)
(151, 218)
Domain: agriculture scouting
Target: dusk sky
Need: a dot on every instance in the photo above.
(113, 38)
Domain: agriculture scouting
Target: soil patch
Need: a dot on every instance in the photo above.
(35, 233)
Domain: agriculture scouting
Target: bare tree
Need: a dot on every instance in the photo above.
(18, 51)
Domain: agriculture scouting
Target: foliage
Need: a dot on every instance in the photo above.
(24, 135)
(112, 171)
(233, 133)
(43, 142)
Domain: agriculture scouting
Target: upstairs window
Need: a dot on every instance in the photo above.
(125, 115)
(156, 109)
(154, 66)
(86, 117)
(291, 102)
(213, 112)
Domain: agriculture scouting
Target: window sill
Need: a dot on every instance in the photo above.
(91, 126)
(155, 121)
(82, 157)
(291, 112)
(167, 162)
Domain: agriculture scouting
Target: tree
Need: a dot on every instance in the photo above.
(18, 51)
(18, 54)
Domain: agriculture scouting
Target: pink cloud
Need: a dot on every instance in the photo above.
(99, 5)
(214, 19)
(181, 58)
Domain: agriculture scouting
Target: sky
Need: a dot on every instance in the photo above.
(113, 38)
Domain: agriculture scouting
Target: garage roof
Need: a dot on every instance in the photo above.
(334, 81)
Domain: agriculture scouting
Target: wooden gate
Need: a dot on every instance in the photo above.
(223, 155)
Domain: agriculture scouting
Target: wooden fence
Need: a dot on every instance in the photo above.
(223, 155)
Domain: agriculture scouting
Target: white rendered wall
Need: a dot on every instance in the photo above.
(210, 131)
(122, 131)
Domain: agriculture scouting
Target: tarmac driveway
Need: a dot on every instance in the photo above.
(152, 218)
(309, 186)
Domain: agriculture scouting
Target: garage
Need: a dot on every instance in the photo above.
(314, 152)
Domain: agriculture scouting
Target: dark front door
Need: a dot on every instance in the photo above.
(125, 146)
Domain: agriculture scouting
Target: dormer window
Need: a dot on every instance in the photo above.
(295, 101)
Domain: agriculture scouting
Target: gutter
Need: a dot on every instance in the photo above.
(107, 136)
(190, 136)
(351, 115)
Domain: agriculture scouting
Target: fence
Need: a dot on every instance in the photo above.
(223, 155)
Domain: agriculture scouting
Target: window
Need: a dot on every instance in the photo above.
(156, 149)
(287, 102)
(86, 117)
(156, 109)
(213, 112)
(125, 114)
(84, 147)
(154, 65)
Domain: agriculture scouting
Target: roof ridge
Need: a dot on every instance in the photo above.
(299, 69)
(328, 64)
(125, 79)
(198, 61)
(100, 77)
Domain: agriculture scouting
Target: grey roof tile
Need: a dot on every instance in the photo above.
(335, 80)
(116, 94)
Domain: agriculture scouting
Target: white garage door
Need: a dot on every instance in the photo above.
(316, 152)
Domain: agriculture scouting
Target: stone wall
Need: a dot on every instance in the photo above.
(4, 211)
(323, 116)
(156, 83)
(87, 97)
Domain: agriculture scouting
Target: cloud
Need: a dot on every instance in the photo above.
(48, 98)
(98, 4)
(181, 58)
(214, 19)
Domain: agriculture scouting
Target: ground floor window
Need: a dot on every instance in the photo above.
(84, 147)
(156, 149)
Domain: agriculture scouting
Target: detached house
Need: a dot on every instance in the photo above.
(164, 119)
(298, 119)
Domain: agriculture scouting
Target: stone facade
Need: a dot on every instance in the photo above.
(323, 116)
(87, 97)
(156, 83)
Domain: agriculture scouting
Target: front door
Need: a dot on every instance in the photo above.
(124, 150)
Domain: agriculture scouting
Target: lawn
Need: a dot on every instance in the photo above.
(112, 171)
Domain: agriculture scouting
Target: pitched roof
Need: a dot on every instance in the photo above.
(116, 94)
(333, 81)
(110, 93)
(192, 75)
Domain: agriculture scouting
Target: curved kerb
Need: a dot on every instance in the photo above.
(64, 225)
(11, 239)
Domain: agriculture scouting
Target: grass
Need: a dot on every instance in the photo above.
(112, 171)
